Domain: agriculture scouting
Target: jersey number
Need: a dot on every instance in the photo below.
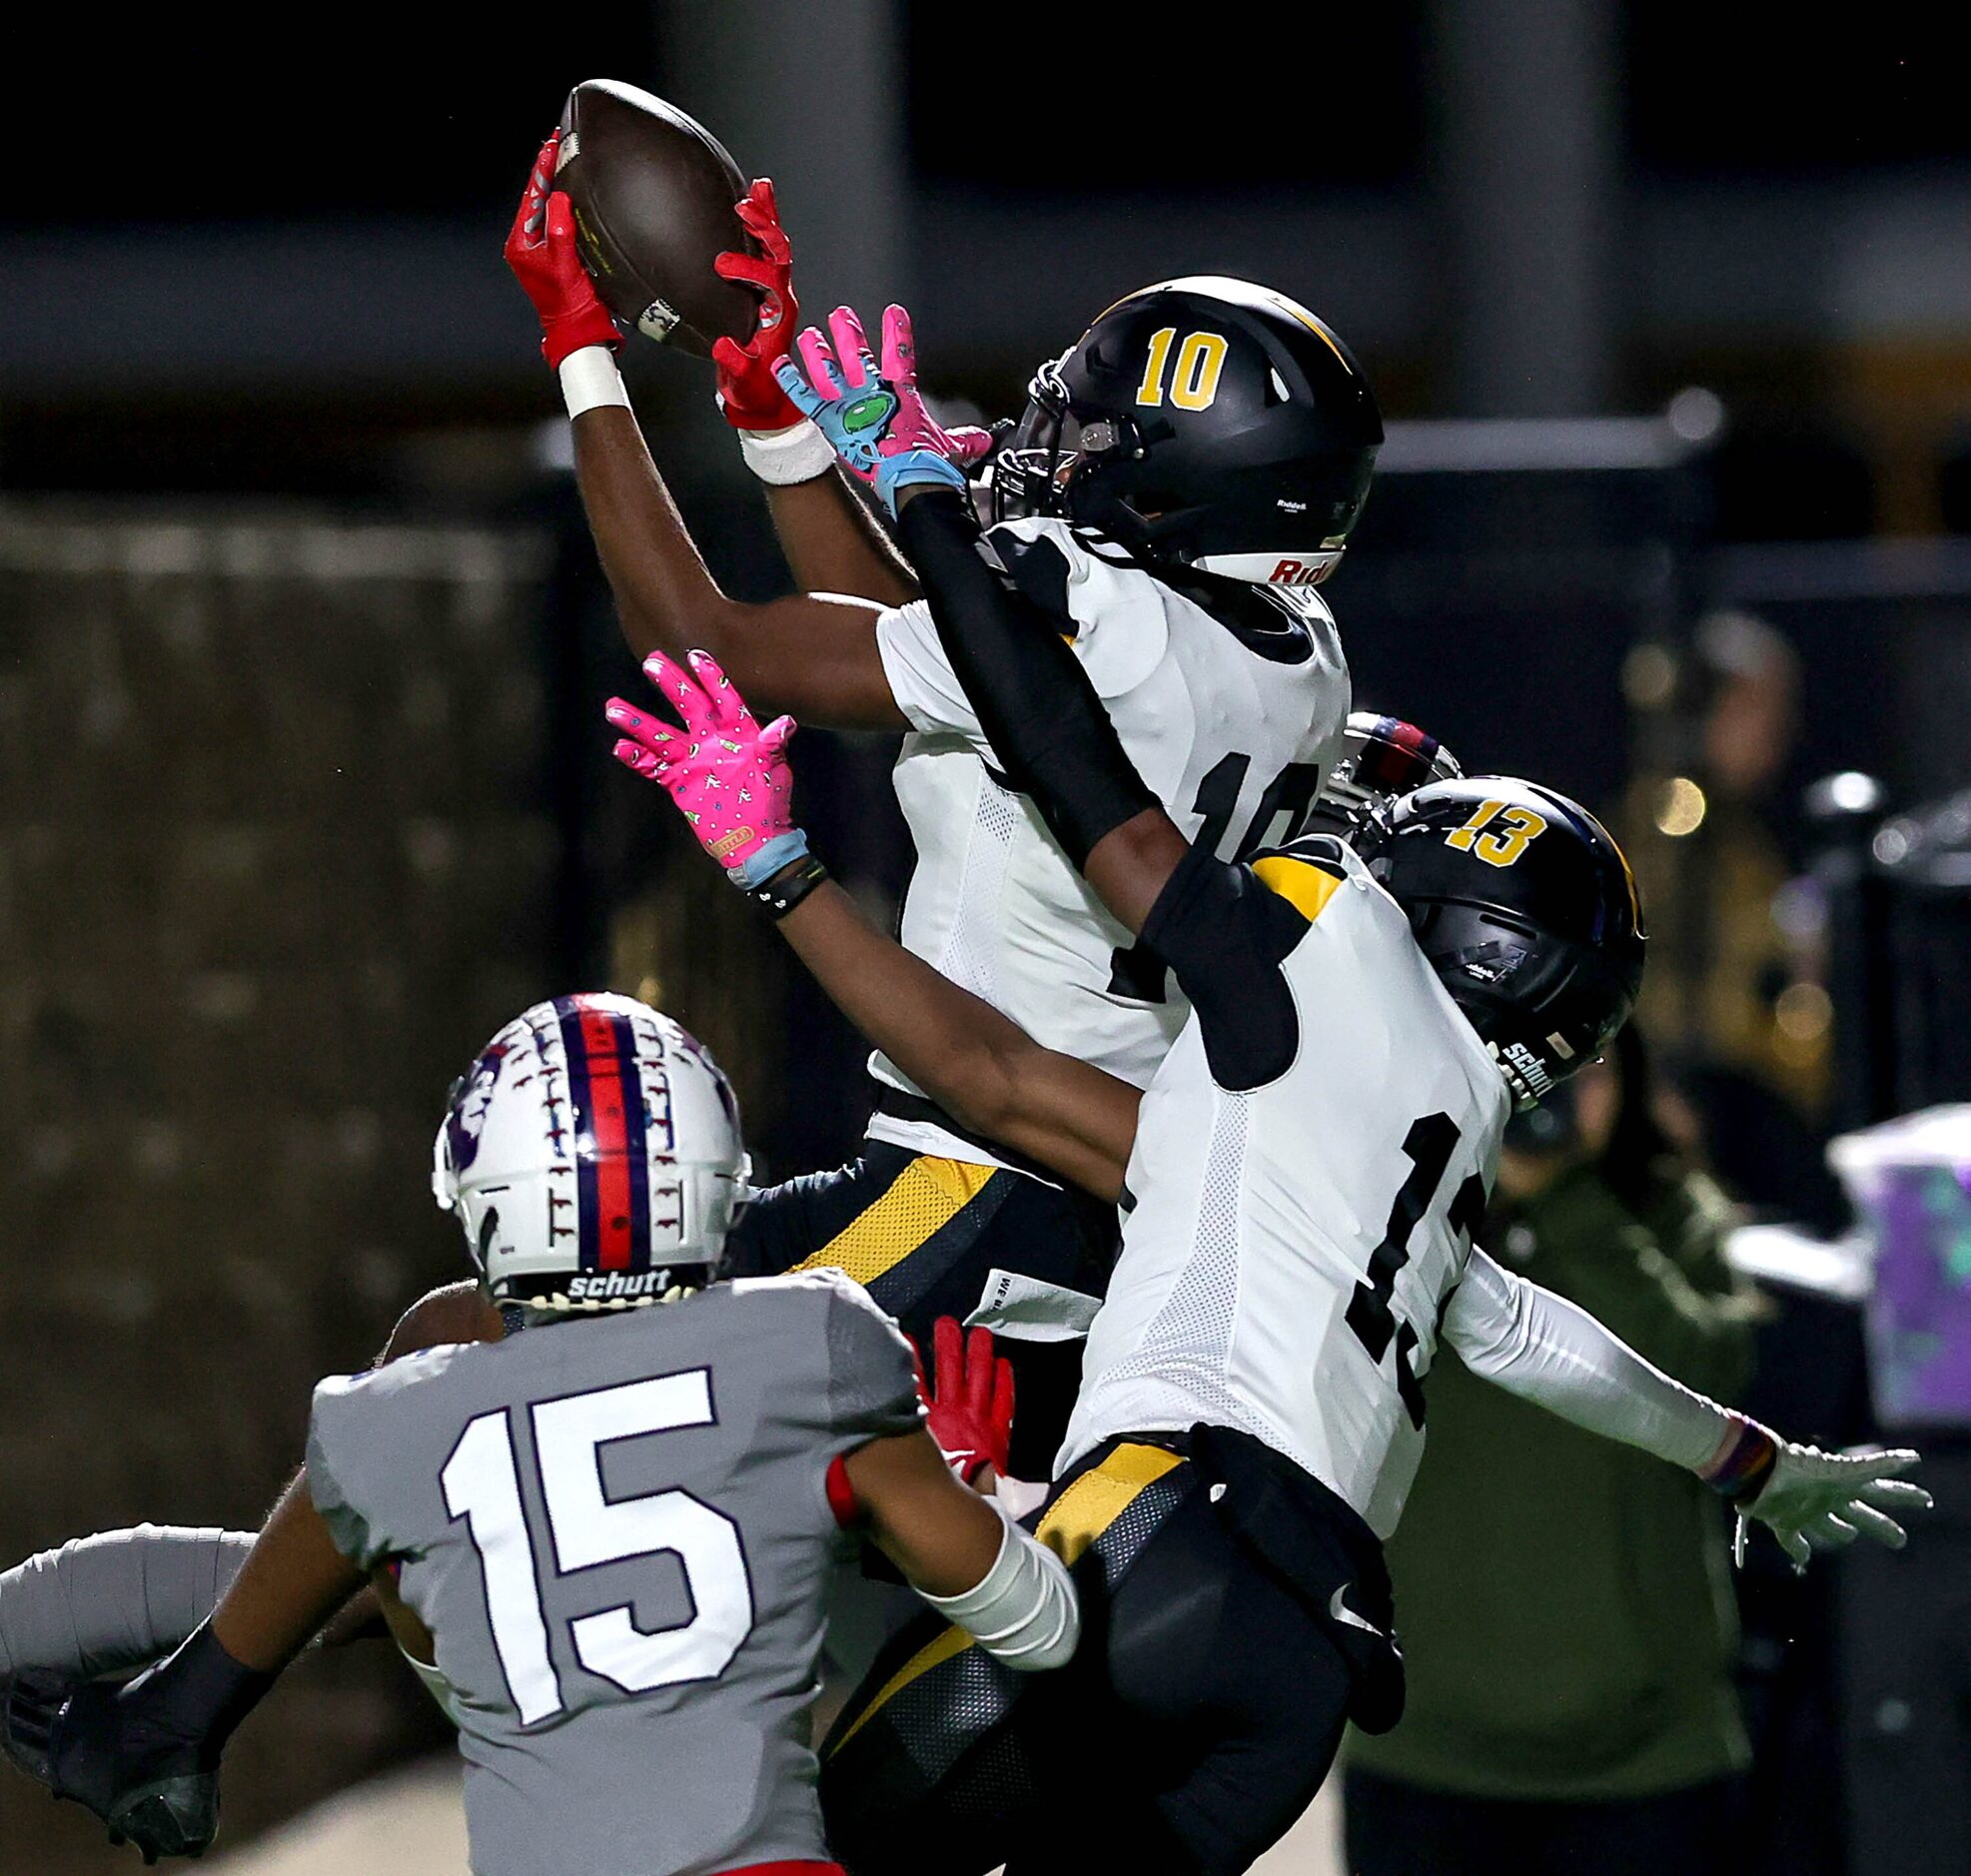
(1430, 1144)
(482, 1481)
(1138, 973)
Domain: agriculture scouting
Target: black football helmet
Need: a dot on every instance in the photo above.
(1204, 421)
(1527, 912)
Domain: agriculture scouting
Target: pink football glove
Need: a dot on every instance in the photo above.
(876, 420)
(970, 1407)
(748, 392)
(541, 251)
(729, 778)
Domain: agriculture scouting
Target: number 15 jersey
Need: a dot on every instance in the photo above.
(1309, 1164)
(618, 1531)
(1231, 699)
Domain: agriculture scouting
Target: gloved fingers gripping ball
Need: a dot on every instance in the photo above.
(748, 392)
(875, 422)
(729, 778)
(541, 251)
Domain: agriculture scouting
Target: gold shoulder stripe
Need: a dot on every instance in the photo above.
(1303, 885)
(922, 1200)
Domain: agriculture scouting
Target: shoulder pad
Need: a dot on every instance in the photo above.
(1307, 873)
(1327, 851)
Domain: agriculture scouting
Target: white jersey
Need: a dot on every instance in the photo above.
(1230, 716)
(1309, 1164)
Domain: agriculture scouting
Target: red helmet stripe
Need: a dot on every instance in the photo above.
(612, 1177)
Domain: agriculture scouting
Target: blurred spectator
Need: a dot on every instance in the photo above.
(1733, 988)
(1564, 1602)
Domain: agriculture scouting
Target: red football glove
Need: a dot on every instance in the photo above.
(747, 391)
(971, 1408)
(541, 251)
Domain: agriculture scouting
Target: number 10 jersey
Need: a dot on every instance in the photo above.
(618, 1531)
(1309, 1164)
(1231, 700)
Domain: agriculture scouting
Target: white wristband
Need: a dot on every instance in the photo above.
(590, 379)
(782, 457)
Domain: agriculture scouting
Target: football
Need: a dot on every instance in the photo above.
(652, 192)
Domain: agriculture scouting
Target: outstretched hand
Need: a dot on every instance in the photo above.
(1814, 1501)
(729, 778)
(875, 418)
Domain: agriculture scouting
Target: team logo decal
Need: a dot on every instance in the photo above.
(469, 1102)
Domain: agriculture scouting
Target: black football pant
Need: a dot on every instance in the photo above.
(922, 1235)
(1396, 1829)
(1193, 1728)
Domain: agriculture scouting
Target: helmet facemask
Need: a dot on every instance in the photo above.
(1032, 471)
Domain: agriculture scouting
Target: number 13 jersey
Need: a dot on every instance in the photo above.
(617, 1530)
(1308, 1166)
(1231, 715)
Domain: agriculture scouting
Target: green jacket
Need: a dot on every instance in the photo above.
(1564, 1602)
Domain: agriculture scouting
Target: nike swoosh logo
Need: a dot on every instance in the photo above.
(1341, 1612)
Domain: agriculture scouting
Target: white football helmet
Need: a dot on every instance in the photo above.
(1382, 757)
(592, 1155)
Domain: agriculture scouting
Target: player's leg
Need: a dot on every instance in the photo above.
(121, 1600)
(1223, 1703)
(926, 1236)
(116, 1600)
(942, 1760)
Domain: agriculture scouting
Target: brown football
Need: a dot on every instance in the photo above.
(652, 192)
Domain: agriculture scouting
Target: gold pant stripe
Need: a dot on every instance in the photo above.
(921, 1201)
(1099, 1496)
(953, 1642)
(1080, 1515)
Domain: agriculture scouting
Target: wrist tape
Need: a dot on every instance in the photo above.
(590, 379)
(783, 457)
(1023, 1611)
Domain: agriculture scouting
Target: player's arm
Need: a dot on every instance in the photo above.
(818, 654)
(1546, 1350)
(964, 1555)
(731, 781)
(831, 541)
(1046, 726)
(976, 1063)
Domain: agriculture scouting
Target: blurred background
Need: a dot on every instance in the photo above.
(301, 647)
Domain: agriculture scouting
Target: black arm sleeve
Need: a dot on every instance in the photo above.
(1046, 726)
(1224, 934)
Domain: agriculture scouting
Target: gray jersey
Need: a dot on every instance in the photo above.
(618, 1532)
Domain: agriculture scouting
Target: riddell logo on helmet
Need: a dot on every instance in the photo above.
(1294, 573)
(619, 1284)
